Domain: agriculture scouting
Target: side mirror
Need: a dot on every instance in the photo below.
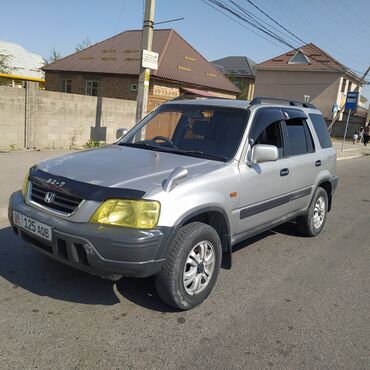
(264, 153)
(121, 132)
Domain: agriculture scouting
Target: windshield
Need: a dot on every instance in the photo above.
(201, 131)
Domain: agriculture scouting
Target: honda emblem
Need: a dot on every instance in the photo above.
(49, 197)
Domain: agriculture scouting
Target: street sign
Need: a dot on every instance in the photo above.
(335, 108)
(150, 59)
(351, 101)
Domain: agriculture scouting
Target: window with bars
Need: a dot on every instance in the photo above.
(92, 88)
(67, 86)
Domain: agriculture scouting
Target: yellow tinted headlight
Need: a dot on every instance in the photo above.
(25, 184)
(138, 214)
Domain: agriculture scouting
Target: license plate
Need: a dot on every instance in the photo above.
(32, 226)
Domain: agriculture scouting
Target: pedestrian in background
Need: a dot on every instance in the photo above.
(366, 134)
(355, 138)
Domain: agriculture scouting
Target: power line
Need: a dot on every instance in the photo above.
(294, 16)
(241, 24)
(332, 19)
(253, 24)
(350, 11)
(273, 20)
(260, 21)
(356, 24)
(268, 32)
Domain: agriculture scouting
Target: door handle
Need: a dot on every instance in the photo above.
(284, 172)
(318, 163)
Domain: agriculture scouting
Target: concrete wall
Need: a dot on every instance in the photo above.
(322, 87)
(12, 117)
(354, 125)
(60, 120)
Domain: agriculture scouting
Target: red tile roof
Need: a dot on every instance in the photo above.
(318, 59)
(178, 60)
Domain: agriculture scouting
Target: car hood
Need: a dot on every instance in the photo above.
(125, 167)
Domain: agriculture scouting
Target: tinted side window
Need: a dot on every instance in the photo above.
(271, 135)
(321, 130)
(296, 137)
(309, 138)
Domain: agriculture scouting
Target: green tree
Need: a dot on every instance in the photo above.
(242, 84)
(83, 44)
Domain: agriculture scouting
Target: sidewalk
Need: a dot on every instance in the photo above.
(13, 167)
(350, 151)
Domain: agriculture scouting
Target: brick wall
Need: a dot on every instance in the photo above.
(115, 86)
(110, 86)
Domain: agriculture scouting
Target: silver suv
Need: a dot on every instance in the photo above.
(173, 196)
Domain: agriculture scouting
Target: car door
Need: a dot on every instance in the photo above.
(265, 187)
(300, 148)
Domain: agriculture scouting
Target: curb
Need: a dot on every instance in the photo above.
(350, 157)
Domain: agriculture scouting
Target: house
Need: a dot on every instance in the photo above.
(19, 65)
(240, 70)
(111, 68)
(309, 74)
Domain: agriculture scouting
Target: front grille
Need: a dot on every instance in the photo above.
(63, 203)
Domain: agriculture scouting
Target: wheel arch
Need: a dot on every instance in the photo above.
(327, 186)
(215, 217)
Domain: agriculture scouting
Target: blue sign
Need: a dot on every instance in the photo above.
(351, 101)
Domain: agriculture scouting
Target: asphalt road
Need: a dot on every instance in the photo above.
(288, 303)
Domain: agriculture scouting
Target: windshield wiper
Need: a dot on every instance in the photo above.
(138, 145)
(198, 153)
(195, 153)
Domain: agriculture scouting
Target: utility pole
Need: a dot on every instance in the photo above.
(146, 44)
(342, 109)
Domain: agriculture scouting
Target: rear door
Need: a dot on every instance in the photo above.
(305, 161)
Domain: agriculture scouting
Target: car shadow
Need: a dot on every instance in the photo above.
(142, 292)
(25, 268)
(289, 228)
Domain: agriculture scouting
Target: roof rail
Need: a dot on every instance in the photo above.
(261, 99)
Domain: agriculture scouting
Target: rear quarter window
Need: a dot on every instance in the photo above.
(321, 130)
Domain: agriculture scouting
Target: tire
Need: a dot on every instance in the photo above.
(203, 242)
(313, 222)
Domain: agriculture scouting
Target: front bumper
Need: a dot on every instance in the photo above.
(96, 249)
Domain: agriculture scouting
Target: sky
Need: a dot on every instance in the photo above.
(340, 27)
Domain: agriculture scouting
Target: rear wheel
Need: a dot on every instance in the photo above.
(313, 222)
(191, 269)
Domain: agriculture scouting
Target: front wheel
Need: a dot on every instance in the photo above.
(191, 269)
(313, 222)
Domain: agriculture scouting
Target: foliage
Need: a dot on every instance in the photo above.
(94, 144)
(242, 84)
(83, 44)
